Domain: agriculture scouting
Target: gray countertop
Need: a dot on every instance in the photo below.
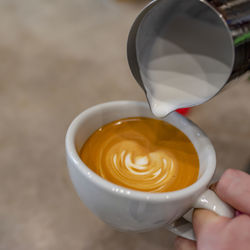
(56, 59)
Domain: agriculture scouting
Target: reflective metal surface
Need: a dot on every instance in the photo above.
(218, 29)
(236, 13)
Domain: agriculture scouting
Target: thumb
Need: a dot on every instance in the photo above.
(205, 222)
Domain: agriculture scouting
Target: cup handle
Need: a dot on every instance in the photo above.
(208, 200)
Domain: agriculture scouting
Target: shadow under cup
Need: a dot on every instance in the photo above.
(123, 208)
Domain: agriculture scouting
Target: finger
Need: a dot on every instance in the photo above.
(184, 244)
(234, 189)
(204, 221)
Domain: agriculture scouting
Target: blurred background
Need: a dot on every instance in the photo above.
(57, 58)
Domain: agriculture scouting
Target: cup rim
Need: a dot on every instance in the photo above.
(108, 186)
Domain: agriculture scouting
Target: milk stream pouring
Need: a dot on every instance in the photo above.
(183, 53)
(178, 80)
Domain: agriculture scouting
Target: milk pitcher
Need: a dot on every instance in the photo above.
(219, 29)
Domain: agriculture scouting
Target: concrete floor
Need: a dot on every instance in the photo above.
(56, 59)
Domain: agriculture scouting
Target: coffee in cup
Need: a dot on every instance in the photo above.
(143, 154)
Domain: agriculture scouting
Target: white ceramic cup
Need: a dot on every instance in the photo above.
(129, 210)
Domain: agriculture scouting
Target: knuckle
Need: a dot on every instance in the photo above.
(229, 172)
(225, 179)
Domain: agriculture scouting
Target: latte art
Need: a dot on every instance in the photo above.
(129, 162)
(138, 153)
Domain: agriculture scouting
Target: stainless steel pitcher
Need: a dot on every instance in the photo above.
(219, 29)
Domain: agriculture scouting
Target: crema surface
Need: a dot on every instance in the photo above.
(143, 154)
